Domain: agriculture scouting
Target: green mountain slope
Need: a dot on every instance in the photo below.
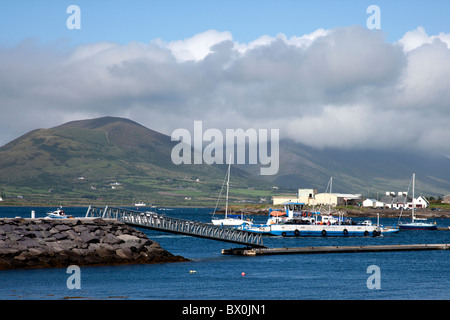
(112, 159)
(117, 161)
(368, 172)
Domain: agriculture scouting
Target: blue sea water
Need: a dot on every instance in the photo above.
(403, 275)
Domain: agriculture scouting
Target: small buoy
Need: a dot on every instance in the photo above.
(243, 274)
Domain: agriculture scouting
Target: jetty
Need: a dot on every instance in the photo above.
(50, 243)
(252, 241)
(333, 249)
(160, 222)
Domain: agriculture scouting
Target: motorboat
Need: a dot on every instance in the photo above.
(58, 214)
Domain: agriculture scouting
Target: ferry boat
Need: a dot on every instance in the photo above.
(300, 223)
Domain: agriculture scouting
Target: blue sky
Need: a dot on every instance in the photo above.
(124, 21)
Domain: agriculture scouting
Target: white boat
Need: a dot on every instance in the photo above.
(140, 204)
(229, 220)
(275, 217)
(295, 221)
(416, 223)
(310, 224)
(58, 214)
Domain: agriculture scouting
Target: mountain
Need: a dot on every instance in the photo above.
(118, 161)
(108, 158)
(369, 172)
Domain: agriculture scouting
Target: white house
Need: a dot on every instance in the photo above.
(398, 202)
(372, 203)
(446, 199)
(420, 202)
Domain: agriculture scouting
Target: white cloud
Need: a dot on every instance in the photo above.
(197, 47)
(418, 37)
(345, 87)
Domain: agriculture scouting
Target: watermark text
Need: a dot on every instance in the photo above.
(248, 147)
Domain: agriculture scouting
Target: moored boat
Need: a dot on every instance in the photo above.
(140, 204)
(301, 223)
(229, 220)
(416, 223)
(58, 214)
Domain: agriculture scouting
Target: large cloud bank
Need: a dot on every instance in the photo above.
(345, 87)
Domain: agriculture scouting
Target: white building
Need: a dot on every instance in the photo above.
(402, 200)
(307, 196)
(311, 197)
(337, 199)
(372, 203)
(277, 200)
(420, 202)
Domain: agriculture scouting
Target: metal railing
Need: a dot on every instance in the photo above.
(155, 221)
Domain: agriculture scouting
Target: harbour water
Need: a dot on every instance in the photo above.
(213, 276)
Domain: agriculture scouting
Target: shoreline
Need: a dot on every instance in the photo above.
(352, 212)
(443, 213)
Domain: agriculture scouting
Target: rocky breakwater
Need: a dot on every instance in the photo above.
(47, 243)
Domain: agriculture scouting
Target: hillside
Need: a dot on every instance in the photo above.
(111, 160)
(369, 172)
(118, 161)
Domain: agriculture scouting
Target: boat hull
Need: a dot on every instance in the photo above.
(229, 222)
(418, 226)
(324, 231)
(56, 216)
(261, 229)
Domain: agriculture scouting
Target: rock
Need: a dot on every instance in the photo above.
(80, 228)
(100, 222)
(71, 234)
(63, 227)
(60, 236)
(42, 243)
(28, 243)
(4, 251)
(13, 236)
(99, 233)
(37, 251)
(111, 239)
(126, 237)
(53, 231)
(87, 237)
(124, 253)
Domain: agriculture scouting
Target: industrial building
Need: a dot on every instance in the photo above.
(311, 197)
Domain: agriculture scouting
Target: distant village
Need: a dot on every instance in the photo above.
(391, 200)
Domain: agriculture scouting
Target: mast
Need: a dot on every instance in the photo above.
(413, 204)
(329, 202)
(228, 187)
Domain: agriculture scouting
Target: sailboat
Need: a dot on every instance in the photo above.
(229, 220)
(416, 223)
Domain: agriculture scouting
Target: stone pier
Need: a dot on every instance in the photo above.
(46, 243)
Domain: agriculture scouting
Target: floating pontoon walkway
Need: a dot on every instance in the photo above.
(159, 222)
(334, 249)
